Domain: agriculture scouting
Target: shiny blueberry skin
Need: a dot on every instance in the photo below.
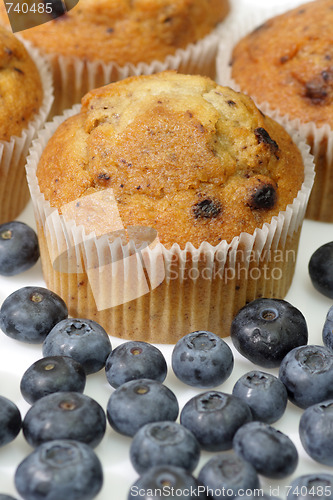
(10, 421)
(83, 340)
(265, 330)
(270, 451)
(264, 393)
(229, 473)
(60, 469)
(160, 481)
(133, 360)
(202, 359)
(29, 313)
(316, 432)
(307, 373)
(214, 417)
(328, 330)
(19, 248)
(164, 443)
(321, 269)
(52, 374)
(311, 487)
(139, 402)
(65, 415)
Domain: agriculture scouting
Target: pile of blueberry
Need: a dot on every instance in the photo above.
(63, 425)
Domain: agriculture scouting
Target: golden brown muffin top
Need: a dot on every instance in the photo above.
(288, 62)
(20, 86)
(194, 160)
(127, 31)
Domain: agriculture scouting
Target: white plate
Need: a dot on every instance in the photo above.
(119, 474)
(16, 357)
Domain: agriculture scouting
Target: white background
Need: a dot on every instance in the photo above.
(119, 474)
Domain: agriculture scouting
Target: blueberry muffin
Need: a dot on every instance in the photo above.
(287, 62)
(99, 37)
(21, 86)
(21, 102)
(196, 162)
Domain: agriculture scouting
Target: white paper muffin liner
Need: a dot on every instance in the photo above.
(320, 139)
(143, 290)
(14, 192)
(74, 77)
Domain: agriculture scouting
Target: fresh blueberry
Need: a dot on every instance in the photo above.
(139, 402)
(82, 339)
(60, 469)
(202, 359)
(10, 421)
(270, 451)
(321, 269)
(52, 374)
(214, 417)
(316, 432)
(264, 393)
(166, 481)
(164, 443)
(6, 497)
(311, 487)
(19, 248)
(307, 373)
(227, 475)
(265, 330)
(133, 360)
(65, 415)
(28, 314)
(328, 330)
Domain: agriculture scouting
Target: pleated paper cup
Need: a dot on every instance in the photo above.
(14, 192)
(74, 77)
(128, 281)
(320, 139)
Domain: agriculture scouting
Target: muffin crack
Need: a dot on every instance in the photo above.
(177, 153)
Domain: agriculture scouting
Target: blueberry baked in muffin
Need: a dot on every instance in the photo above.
(197, 163)
(287, 62)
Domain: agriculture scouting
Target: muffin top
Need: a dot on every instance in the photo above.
(20, 86)
(127, 31)
(183, 155)
(288, 62)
